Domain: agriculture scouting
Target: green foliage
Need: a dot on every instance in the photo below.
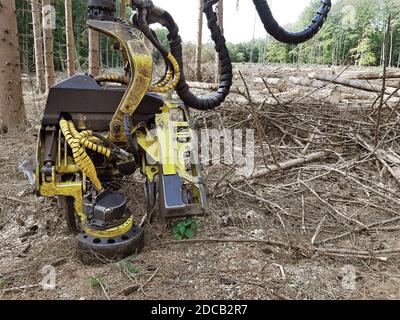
(4, 281)
(108, 57)
(185, 229)
(354, 32)
(96, 281)
(129, 268)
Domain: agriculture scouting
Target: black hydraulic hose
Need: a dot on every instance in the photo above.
(145, 28)
(214, 99)
(140, 22)
(132, 143)
(280, 34)
(112, 145)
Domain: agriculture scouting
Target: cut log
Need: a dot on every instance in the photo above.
(346, 93)
(275, 83)
(306, 82)
(208, 86)
(393, 83)
(356, 84)
(390, 74)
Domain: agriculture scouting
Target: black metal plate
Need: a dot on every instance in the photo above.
(92, 250)
(86, 101)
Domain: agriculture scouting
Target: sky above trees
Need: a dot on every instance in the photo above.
(238, 23)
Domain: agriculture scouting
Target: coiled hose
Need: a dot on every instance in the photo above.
(84, 140)
(214, 99)
(82, 160)
(148, 14)
(280, 34)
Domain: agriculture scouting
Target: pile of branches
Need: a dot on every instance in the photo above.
(327, 171)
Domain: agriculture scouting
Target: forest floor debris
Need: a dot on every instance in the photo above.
(323, 200)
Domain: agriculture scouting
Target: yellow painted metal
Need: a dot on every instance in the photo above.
(141, 67)
(151, 171)
(68, 169)
(164, 147)
(67, 189)
(54, 188)
(74, 190)
(113, 232)
(141, 64)
(165, 134)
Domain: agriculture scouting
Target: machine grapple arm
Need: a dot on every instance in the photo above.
(93, 135)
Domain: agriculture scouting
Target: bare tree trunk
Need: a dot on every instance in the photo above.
(38, 43)
(94, 58)
(24, 45)
(48, 46)
(253, 40)
(107, 53)
(60, 54)
(391, 49)
(220, 14)
(398, 62)
(199, 47)
(69, 29)
(122, 9)
(12, 110)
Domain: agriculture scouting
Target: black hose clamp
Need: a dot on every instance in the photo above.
(142, 4)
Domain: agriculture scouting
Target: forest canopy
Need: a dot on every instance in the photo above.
(353, 33)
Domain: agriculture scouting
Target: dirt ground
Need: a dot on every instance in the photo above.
(285, 209)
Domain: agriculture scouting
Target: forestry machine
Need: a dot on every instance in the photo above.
(98, 130)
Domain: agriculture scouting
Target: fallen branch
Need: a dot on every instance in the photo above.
(31, 286)
(16, 200)
(367, 227)
(282, 166)
(382, 156)
(333, 209)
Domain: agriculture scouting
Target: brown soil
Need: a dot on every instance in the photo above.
(34, 233)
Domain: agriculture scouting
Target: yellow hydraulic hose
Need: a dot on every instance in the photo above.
(113, 78)
(84, 140)
(82, 160)
(166, 80)
(171, 85)
(95, 147)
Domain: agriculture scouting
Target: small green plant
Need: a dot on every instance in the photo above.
(96, 281)
(129, 268)
(4, 282)
(185, 229)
